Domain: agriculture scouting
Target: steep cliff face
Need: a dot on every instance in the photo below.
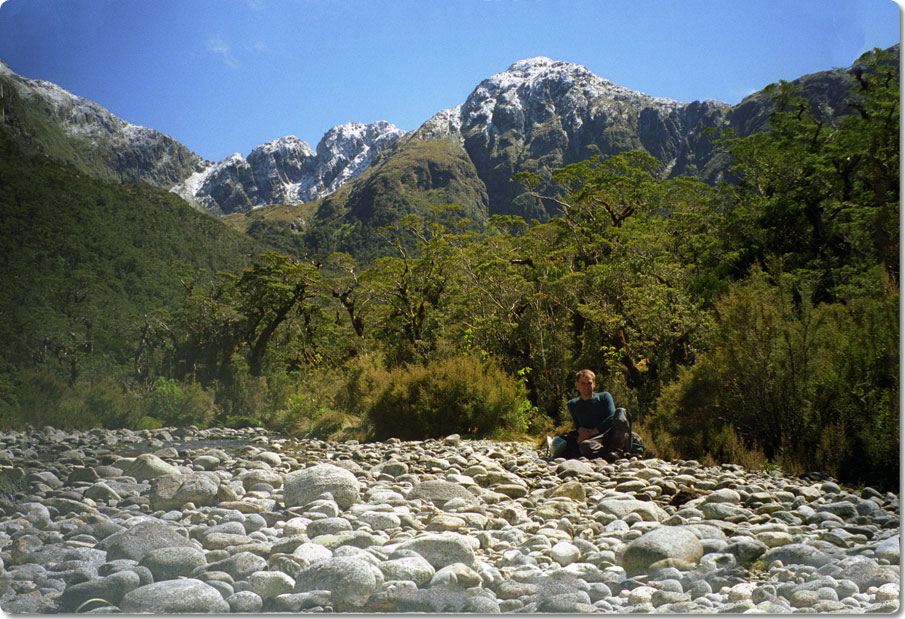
(48, 119)
(542, 114)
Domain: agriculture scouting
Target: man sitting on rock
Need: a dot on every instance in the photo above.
(593, 414)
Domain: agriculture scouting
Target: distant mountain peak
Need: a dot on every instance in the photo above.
(287, 170)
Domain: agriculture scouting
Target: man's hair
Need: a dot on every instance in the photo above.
(590, 374)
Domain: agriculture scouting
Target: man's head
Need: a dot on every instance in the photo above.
(585, 383)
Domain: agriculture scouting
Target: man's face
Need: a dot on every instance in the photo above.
(585, 386)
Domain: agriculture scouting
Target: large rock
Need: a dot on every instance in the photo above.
(439, 491)
(622, 507)
(169, 492)
(111, 588)
(661, 543)
(350, 581)
(303, 487)
(443, 549)
(239, 566)
(148, 466)
(796, 554)
(136, 541)
(171, 563)
(175, 596)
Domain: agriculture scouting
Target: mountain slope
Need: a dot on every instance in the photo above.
(44, 118)
(536, 116)
(84, 261)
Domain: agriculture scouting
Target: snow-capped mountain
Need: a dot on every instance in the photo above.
(287, 170)
(57, 123)
(538, 115)
(541, 114)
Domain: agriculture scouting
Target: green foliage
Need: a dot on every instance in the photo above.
(755, 323)
(822, 194)
(814, 387)
(85, 262)
(456, 395)
(173, 404)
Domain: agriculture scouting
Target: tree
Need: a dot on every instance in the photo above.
(822, 191)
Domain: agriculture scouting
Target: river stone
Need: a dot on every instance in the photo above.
(414, 568)
(111, 588)
(245, 602)
(380, 521)
(268, 584)
(138, 540)
(258, 476)
(350, 580)
(565, 553)
(664, 542)
(327, 526)
(309, 553)
(889, 549)
(746, 549)
(170, 563)
(239, 565)
(175, 596)
(393, 468)
(35, 513)
(571, 490)
(456, 575)
(796, 554)
(439, 491)
(148, 466)
(574, 468)
(206, 462)
(622, 507)
(443, 549)
(301, 488)
(169, 492)
(101, 491)
(843, 509)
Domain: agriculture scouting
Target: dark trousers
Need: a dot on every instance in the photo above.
(590, 448)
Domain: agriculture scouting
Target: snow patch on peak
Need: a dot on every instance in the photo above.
(288, 143)
(287, 170)
(536, 90)
(527, 63)
(442, 124)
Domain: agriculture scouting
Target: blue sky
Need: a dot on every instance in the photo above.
(224, 76)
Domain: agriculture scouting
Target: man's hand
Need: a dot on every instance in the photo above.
(586, 433)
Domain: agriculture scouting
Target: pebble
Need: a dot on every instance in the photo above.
(245, 521)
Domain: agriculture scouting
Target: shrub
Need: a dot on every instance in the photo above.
(175, 404)
(812, 386)
(458, 395)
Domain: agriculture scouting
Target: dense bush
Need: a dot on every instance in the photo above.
(812, 387)
(174, 404)
(457, 395)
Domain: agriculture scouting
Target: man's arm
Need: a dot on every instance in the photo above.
(586, 433)
(608, 411)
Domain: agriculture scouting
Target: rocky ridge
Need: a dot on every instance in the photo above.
(287, 170)
(65, 126)
(537, 115)
(183, 520)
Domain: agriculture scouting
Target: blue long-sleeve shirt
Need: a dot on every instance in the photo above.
(595, 412)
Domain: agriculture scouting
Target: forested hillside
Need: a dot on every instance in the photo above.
(86, 267)
(755, 322)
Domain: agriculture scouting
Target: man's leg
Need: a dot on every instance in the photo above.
(572, 447)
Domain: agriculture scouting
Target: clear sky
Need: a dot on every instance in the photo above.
(224, 76)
